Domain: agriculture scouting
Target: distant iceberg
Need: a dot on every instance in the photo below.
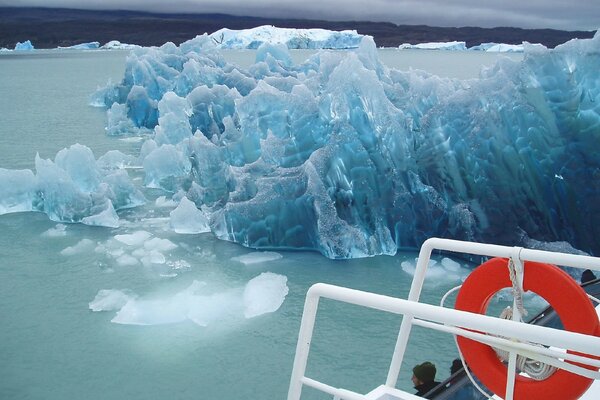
(505, 48)
(24, 46)
(454, 46)
(116, 45)
(82, 46)
(293, 38)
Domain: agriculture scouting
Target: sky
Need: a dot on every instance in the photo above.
(556, 14)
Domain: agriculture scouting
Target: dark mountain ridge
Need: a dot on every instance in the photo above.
(53, 27)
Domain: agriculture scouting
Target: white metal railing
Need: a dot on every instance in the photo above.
(453, 321)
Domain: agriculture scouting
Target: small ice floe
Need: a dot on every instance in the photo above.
(196, 303)
(82, 246)
(134, 239)
(162, 201)
(110, 300)
(445, 271)
(58, 231)
(188, 219)
(264, 294)
(257, 257)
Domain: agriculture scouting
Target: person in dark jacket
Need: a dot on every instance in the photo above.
(424, 378)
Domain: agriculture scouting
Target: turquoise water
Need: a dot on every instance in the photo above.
(52, 346)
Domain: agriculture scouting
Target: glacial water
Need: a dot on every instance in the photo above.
(52, 346)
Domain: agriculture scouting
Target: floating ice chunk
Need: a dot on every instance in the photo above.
(151, 312)
(125, 260)
(264, 294)
(153, 257)
(443, 272)
(179, 264)
(257, 257)
(82, 246)
(187, 218)
(107, 218)
(134, 239)
(218, 307)
(109, 300)
(450, 264)
(162, 201)
(17, 190)
(58, 231)
(159, 245)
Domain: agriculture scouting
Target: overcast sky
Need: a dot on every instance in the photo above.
(557, 14)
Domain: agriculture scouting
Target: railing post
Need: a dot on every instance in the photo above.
(407, 319)
(303, 347)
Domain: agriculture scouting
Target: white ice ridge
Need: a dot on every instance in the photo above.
(197, 303)
(293, 38)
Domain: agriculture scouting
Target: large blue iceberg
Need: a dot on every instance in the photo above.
(342, 155)
(346, 157)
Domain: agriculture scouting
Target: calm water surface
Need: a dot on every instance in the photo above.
(53, 347)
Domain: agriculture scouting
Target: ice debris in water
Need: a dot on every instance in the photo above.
(444, 271)
(72, 188)
(257, 257)
(344, 156)
(263, 294)
(187, 218)
(84, 245)
(58, 231)
(109, 300)
(139, 247)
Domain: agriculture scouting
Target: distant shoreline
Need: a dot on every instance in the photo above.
(50, 28)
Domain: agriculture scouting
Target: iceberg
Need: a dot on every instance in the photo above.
(344, 156)
(292, 38)
(82, 46)
(116, 45)
(72, 188)
(454, 46)
(24, 46)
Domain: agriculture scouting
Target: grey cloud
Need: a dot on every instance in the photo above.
(558, 14)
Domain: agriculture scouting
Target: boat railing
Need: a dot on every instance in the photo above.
(493, 331)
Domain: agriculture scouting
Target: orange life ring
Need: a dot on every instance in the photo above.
(566, 297)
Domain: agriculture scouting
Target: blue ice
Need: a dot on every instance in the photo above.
(72, 188)
(344, 156)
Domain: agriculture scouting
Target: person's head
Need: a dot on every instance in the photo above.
(456, 366)
(423, 373)
(587, 276)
